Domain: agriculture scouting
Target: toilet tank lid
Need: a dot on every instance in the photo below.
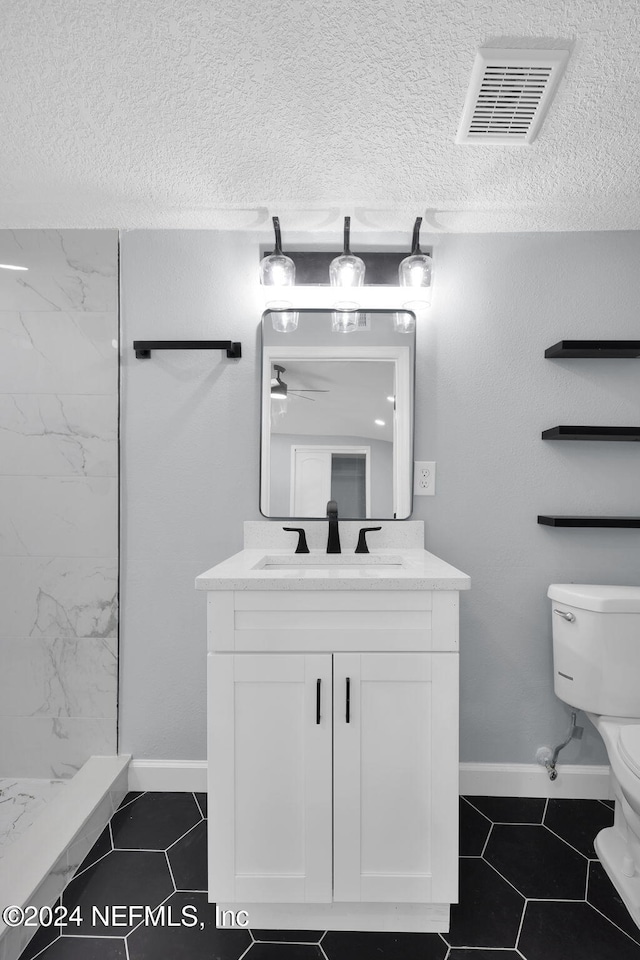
(600, 597)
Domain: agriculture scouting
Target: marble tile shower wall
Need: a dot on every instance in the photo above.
(58, 500)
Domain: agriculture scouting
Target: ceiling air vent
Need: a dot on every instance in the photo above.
(509, 95)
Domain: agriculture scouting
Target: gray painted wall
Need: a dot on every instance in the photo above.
(484, 393)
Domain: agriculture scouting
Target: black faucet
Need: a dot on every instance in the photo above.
(333, 541)
(302, 538)
(362, 539)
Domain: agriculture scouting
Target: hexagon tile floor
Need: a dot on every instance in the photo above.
(530, 887)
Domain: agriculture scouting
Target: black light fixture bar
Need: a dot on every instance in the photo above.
(143, 348)
(312, 266)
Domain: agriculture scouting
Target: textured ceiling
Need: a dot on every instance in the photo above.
(198, 113)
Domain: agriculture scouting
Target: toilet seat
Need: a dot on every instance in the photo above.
(629, 744)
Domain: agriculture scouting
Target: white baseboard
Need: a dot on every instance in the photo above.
(476, 779)
(574, 782)
(168, 775)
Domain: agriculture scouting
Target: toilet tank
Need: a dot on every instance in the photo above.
(596, 647)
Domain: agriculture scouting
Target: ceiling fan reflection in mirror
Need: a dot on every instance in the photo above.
(281, 391)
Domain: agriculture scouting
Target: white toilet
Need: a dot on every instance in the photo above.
(596, 656)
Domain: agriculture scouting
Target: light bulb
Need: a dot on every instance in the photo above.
(278, 271)
(415, 271)
(346, 271)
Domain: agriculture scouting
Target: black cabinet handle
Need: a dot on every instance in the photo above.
(362, 539)
(318, 685)
(348, 701)
(302, 538)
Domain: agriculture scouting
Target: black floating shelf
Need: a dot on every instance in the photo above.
(594, 349)
(143, 348)
(591, 433)
(551, 521)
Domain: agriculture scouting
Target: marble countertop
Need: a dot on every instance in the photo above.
(278, 569)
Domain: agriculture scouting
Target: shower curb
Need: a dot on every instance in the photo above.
(38, 865)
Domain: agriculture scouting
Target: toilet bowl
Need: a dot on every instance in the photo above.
(596, 656)
(618, 847)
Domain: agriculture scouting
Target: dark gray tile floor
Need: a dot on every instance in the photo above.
(531, 888)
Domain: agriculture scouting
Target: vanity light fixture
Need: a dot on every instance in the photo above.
(277, 270)
(11, 266)
(347, 270)
(345, 283)
(415, 272)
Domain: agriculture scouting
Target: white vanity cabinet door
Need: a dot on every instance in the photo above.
(396, 778)
(270, 804)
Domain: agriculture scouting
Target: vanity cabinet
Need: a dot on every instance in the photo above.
(270, 785)
(395, 839)
(333, 757)
(304, 742)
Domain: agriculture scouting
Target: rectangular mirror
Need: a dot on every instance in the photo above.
(337, 413)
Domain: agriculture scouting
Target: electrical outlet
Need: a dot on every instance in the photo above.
(424, 478)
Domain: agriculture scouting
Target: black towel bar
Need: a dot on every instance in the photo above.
(143, 348)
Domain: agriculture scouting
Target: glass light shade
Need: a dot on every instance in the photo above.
(415, 271)
(347, 270)
(345, 317)
(283, 318)
(277, 270)
(404, 322)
